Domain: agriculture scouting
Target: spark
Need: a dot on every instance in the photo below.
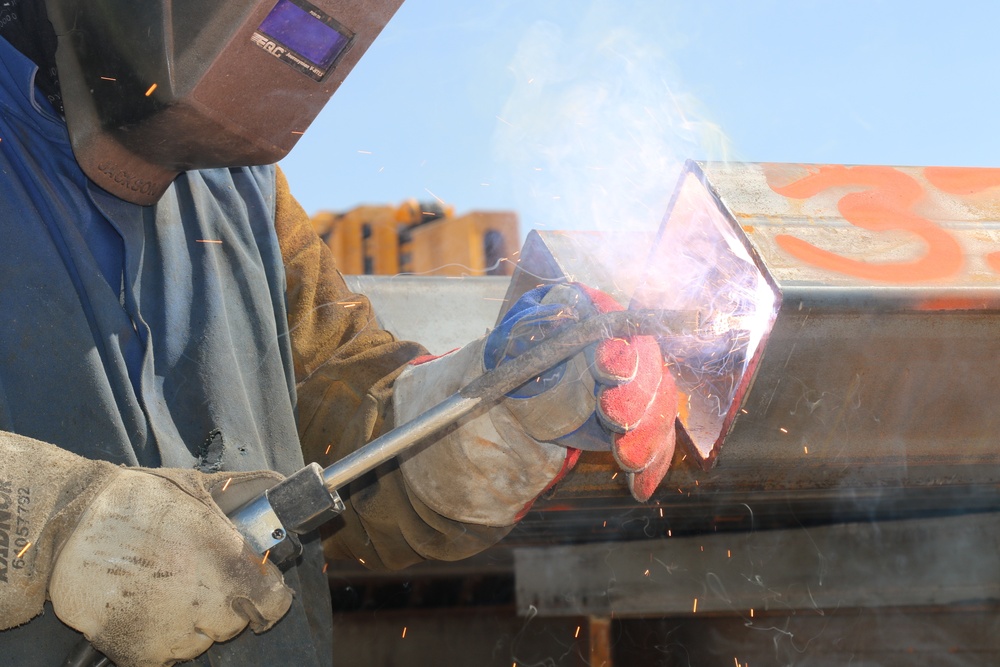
(485, 185)
(362, 560)
(703, 547)
(435, 196)
(299, 132)
(646, 573)
(805, 448)
(729, 553)
(267, 554)
(365, 152)
(783, 430)
(108, 78)
(661, 512)
(680, 491)
(20, 554)
(577, 633)
(404, 632)
(605, 524)
(694, 609)
(328, 448)
(744, 411)
(209, 241)
(349, 304)
(670, 533)
(151, 89)
(325, 565)
(751, 613)
(226, 485)
(615, 475)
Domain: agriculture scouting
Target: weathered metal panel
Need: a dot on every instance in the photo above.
(440, 313)
(913, 563)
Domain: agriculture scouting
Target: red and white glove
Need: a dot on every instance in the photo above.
(616, 396)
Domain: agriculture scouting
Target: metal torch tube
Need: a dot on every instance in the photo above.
(492, 386)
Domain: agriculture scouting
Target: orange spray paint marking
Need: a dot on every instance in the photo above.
(963, 180)
(883, 205)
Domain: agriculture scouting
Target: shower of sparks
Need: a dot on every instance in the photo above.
(20, 554)
(151, 89)
(226, 485)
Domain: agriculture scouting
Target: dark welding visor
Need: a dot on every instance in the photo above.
(157, 87)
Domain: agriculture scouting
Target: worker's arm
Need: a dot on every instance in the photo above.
(344, 369)
(462, 493)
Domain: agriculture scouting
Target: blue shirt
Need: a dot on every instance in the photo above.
(131, 334)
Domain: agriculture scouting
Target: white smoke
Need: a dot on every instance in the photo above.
(598, 124)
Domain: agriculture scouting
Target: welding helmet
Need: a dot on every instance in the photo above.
(155, 87)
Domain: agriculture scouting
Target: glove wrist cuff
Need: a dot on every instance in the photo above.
(44, 491)
(487, 469)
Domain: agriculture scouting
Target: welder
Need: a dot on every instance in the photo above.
(174, 338)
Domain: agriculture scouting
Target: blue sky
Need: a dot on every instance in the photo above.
(578, 113)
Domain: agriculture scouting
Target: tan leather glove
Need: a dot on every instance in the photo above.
(143, 562)
(619, 398)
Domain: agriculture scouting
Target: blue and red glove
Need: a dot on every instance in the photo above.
(617, 396)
